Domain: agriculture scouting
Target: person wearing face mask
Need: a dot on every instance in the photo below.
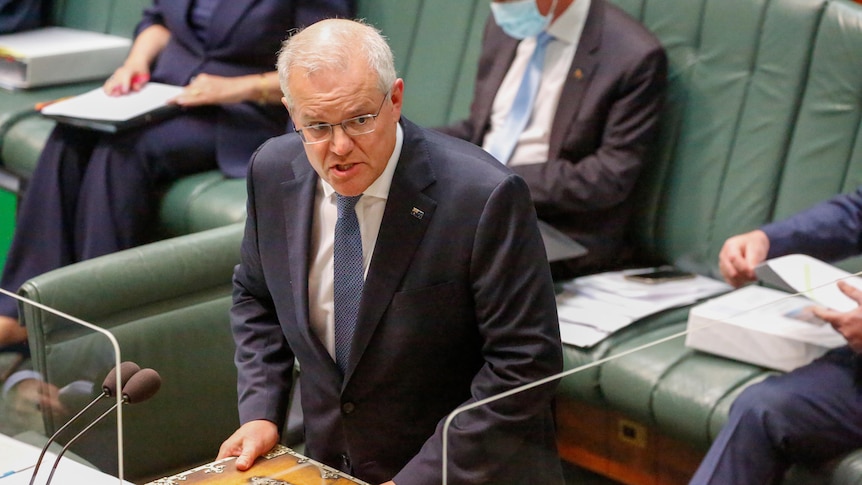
(599, 79)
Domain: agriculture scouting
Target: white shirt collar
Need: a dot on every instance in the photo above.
(569, 25)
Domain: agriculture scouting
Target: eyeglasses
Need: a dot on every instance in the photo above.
(360, 125)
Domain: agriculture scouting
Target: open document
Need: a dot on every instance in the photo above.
(593, 307)
(98, 111)
(799, 273)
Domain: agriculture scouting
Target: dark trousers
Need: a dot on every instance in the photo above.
(809, 415)
(92, 193)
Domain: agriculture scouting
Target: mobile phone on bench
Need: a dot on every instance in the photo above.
(661, 275)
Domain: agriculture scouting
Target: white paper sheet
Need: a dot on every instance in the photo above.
(593, 307)
(815, 279)
(96, 105)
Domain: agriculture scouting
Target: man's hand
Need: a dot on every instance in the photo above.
(740, 254)
(848, 324)
(249, 442)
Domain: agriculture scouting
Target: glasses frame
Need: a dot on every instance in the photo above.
(342, 124)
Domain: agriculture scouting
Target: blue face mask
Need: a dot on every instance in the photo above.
(521, 19)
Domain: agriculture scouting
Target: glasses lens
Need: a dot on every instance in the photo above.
(316, 133)
(359, 125)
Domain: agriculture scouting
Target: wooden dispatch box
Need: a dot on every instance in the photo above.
(615, 446)
(281, 466)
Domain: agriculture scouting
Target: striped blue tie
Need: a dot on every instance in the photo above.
(348, 276)
(506, 139)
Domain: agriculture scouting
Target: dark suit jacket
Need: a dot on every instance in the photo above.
(243, 38)
(601, 133)
(458, 305)
(831, 230)
(19, 15)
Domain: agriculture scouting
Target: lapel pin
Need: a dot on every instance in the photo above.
(417, 213)
(579, 74)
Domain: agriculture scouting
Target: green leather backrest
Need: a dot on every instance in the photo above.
(824, 155)
(436, 45)
(118, 17)
(761, 120)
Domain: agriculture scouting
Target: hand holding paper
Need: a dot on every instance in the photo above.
(739, 256)
(849, 323)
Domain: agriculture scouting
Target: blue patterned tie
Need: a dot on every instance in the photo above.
(348, 276)
(522, 107)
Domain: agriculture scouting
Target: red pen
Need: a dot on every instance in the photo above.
(137, 81)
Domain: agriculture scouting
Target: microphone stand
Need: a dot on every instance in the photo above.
(114, 344)
(109, 388)
(69, 443)
(141, 386)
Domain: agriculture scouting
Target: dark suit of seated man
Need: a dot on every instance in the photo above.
(588, 135)
(812, 413)
(433, 291)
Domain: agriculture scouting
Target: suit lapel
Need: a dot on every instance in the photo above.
(405, 219)
(226, 15)
(298, 202)
(580, 73)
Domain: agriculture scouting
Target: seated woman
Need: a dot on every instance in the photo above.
(94, 193)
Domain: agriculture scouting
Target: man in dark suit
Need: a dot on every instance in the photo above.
(812, 413)
(596, 112)
(457, 303)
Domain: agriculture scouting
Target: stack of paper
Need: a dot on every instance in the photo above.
(593, 307)
(761, 326)
(53, 55)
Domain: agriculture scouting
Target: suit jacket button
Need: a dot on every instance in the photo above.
(345, 463)
(347, 408)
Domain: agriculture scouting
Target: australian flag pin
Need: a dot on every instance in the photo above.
(417, 213)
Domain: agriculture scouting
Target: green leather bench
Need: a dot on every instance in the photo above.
(763, 121)
(763, 116)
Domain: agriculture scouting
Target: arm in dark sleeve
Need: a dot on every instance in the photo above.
(606, 176)
(263, 359)
(831, 230)
(152, 15)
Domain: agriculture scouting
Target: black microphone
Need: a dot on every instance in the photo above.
(140, 387)
(109, 389)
